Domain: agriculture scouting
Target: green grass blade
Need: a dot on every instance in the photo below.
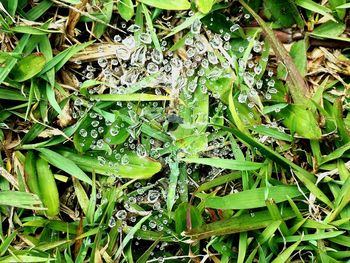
(253, 198)
(64, 164)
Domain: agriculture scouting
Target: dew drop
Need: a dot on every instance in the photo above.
(196, 26)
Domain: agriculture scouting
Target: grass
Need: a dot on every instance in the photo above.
(174, 131)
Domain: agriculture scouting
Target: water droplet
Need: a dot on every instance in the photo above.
(153, 196)
(121, 214)
(152, 68)
(83, 133)
(114, 130)
(130, 77)
(189, 41)
(95, 123)
(271, 83)
(212, 58)
(138, 58)
(145, 38)
(248, 79)
(191, 52)
(140, 150)
(129, 42)
(216, 41)
(272, 91)
(133, 28)
(258, 69)
(201, 48)
(117, 38)
(125, 159)
(196, 26)
(152, 224)
(111, 222)
(102, 62)
(122, 53)
(101, 160)
(242, 98)
(157, 56)
(259, 84)
(227, 36)
(234, 27)
(94, 133)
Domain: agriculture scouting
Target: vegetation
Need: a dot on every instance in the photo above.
(174, 131)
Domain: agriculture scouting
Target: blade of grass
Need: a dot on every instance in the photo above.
(64, 164)
(11, 61)
(130, 235)
(253, 198)
(284, 256)
(297, 86)
(226, 163)
(242, 223)
(304, 176)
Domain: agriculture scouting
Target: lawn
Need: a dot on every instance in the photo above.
(174, 131)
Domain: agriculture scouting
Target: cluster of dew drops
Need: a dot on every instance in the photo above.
(136, 59)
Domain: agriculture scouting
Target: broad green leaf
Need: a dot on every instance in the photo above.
(107, 10)
(344, 6)
(28, 67)
(128, 165)
(280, 12)
(64, 164)
(32, 30)
(7, 242)
(150, 27)
(302, 121)
(253, 198)
(20, 199)
(204, 6)
(315, 7)
(11, 94)
(38, 10)
(329, 29)
(61, 58)
(168, 4)
(335, 4)
(298, 53)
(126, 9)
(182, 221)
(238, 224)
(226, 163)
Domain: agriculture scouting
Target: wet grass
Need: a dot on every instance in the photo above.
(170, 131)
